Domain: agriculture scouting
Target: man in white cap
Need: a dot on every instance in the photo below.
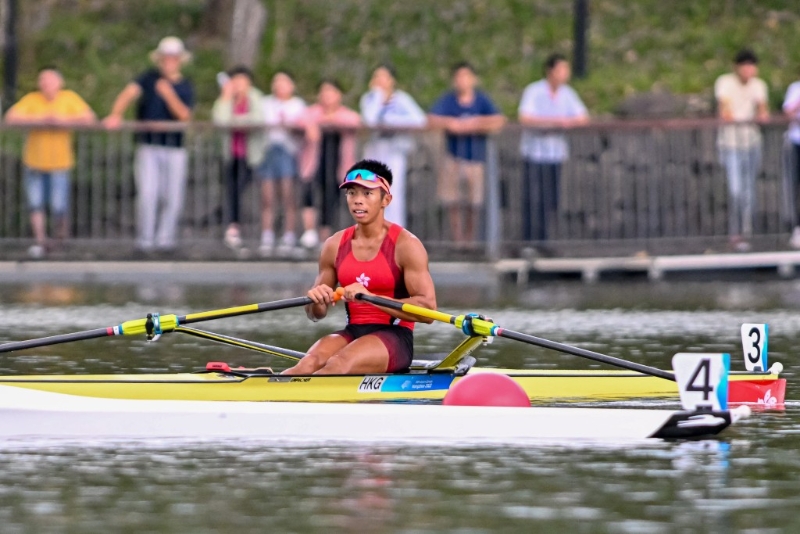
(163, 94)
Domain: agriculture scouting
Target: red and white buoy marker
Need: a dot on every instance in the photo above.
(487, 389)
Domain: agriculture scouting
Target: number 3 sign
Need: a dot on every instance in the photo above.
(754, 343)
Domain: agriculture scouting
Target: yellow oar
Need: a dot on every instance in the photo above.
(155, 324)
(473, 325)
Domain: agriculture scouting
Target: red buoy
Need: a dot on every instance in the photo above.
(486, 389)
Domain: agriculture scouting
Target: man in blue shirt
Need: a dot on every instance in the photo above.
(546, 104)
(163, 94)
(467, 115)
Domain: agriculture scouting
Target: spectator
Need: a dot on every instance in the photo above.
(791, 107)
(467, 115)
(239, 104)
(547, 103)
(163, 94)
(330, 151)
(48, 155)
(741, 97)
(282, 111)
(385, 106)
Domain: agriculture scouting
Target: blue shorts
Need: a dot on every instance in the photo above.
(47, 186)
(278, 164)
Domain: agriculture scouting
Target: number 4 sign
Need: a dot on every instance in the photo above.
(754, 343)
(702, 380)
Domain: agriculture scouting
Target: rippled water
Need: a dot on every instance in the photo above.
(747, 481)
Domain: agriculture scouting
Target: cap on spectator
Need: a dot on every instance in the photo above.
(745, 56)
(170, 46)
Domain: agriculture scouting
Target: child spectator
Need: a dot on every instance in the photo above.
(282, 111)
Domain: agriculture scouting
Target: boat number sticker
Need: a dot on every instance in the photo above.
(702, 380)
(754, 343)
(405, 383)
(371, 384)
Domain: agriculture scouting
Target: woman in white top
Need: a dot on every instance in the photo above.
(283, 112)
(385, 106)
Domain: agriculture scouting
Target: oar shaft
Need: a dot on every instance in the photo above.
(583, 353)
(482, 327)
(408, 308)
(55, 340)
(243, 310)
(167, 323)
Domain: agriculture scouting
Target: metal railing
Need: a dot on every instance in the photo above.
(623, 183)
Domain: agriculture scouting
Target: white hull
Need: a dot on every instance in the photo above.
(28, 414)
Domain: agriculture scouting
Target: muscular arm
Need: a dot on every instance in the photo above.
(322, 292)
(412, 257)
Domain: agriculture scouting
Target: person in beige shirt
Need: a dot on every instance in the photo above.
(741, 99)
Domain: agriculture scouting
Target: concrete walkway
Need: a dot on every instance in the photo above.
(784, 265)
(288, 273)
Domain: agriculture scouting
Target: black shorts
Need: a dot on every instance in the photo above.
(398, 340)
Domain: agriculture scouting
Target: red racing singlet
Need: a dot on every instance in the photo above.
(381, 275)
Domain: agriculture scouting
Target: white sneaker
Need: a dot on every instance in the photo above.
(794, 241)
(267, 243)
(36, 252)
(232, 239)
(309, 239)
(288, 242)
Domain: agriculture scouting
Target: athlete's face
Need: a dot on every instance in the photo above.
(364, 204)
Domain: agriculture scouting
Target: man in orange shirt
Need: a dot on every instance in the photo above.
(48, 155)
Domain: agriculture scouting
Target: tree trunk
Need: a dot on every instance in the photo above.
(240, 25)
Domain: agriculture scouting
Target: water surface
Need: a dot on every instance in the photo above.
(746, 481)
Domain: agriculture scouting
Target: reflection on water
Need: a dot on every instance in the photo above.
(707, 486)
(747, 481)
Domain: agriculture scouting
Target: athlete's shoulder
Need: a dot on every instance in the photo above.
(405, 234)
(409, 245)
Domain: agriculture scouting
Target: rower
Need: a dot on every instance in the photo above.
(374, 257)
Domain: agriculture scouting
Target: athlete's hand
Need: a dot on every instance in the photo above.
(352, 290)
(322, 294)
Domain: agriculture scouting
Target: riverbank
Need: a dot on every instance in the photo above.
(445, 273)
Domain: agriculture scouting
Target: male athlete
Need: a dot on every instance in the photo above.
(373, 257)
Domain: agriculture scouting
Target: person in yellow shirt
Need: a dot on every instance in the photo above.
(48, 155)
